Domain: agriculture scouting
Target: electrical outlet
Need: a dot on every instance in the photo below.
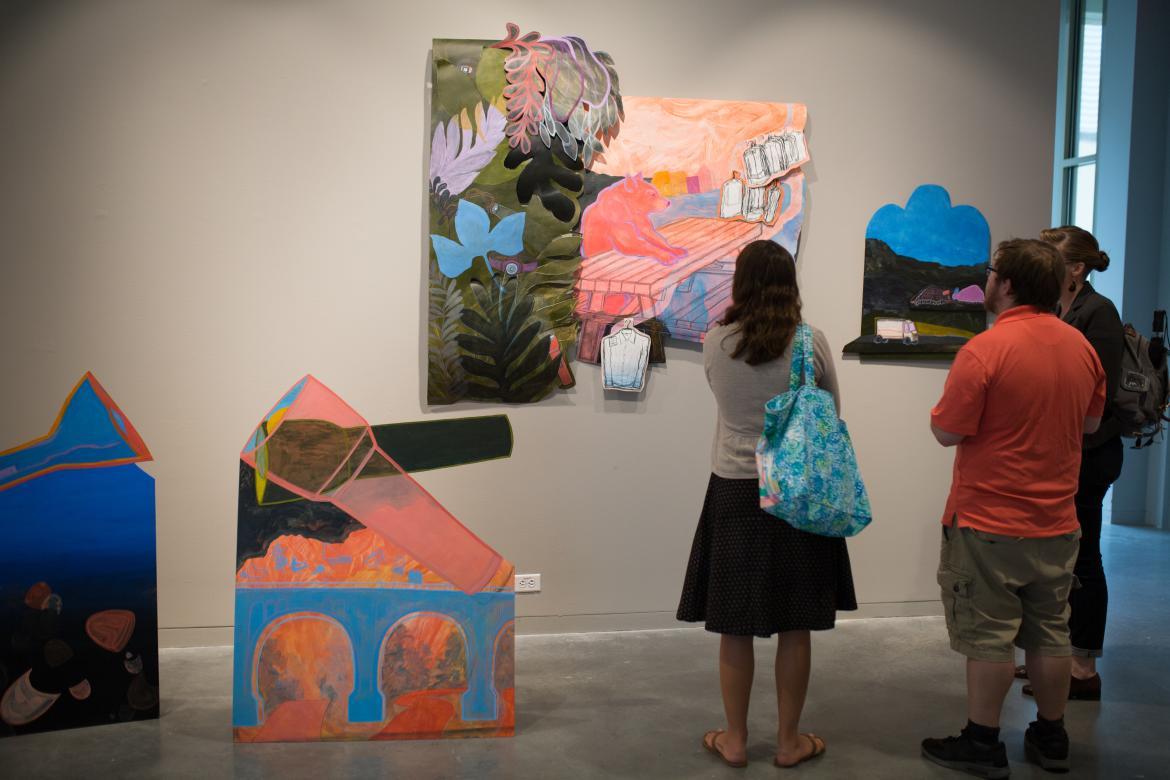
(527, 583)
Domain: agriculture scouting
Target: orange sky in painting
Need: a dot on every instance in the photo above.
(363, 558)
(673, 134)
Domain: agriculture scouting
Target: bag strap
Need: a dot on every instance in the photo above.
(802, 370)
(810, 376)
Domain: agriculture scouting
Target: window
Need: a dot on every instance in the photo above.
(1079, 85)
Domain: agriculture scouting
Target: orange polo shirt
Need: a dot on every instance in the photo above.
(1020, 393)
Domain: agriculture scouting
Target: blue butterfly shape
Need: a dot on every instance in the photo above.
(476, 238)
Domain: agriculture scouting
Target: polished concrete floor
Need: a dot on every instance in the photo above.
(634, 704)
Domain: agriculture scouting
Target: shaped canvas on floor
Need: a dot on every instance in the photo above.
(78, 613)
(365, 610)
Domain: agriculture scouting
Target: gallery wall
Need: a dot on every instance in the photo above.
(203, 201)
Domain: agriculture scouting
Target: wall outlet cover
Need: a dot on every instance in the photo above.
(527, 583)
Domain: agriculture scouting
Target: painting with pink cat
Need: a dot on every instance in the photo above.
(677, 193)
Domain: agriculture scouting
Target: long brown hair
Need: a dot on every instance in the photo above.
(765, 302)
(1076, 245)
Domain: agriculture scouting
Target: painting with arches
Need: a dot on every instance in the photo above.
(364, 609)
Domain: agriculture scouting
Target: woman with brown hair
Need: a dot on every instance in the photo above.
(751, 574)
(1096, 318)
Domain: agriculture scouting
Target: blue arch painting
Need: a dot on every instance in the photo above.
(343, 630)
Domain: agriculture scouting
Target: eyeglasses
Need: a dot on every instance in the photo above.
(991, 270)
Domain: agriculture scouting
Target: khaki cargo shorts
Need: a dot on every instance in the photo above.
(999, 591)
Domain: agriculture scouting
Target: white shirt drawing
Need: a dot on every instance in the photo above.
(625, 353)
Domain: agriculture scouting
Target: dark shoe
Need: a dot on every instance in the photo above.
(1047, 746)
(967, 755)
(1078, 690)
(1021, 672)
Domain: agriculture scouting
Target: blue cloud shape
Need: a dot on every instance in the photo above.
(930, 229)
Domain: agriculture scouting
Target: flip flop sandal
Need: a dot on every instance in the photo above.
(711, 747)
(818, 750)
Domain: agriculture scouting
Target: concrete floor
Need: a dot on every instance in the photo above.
(635, 704)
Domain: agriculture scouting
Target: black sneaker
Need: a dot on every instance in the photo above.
(1047, 746)
(967, 755)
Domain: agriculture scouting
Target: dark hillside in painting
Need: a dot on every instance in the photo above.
(892, 280)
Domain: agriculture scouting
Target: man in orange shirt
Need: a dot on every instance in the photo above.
(1017, 401)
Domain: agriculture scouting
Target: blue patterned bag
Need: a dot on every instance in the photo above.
(808, 470)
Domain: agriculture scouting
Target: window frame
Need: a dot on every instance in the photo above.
(1068, 95)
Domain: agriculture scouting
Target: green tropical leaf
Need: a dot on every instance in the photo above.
(521, 342)
(537, 356)
(505, 351)
(453, 92)
(562, 247)
(495, 172)
(490, 77)
(541, 227)
(445, 376)
(475, 345)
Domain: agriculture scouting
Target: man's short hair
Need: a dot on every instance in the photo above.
(1035, 270)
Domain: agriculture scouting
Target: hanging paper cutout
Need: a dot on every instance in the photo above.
(477, 238)
(625, 354)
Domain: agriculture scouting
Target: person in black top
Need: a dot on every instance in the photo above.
(1097, 319)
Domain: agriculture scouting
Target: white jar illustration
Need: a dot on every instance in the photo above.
(731, 197)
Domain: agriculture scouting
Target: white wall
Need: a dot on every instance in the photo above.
(201, 202)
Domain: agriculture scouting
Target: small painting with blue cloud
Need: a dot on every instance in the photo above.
(929, 228)
(924, 276)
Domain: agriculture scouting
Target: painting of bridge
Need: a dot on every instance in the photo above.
(364, 609)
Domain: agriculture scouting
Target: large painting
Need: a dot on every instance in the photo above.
(559, 208)
(925, 270)
(78, 613)
(686, 185)
(364, 609)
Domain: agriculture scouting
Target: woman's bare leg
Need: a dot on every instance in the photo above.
(793, 663)
(737, 664)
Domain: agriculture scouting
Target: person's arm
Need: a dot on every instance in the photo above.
(1106, 336)
(946, 438)
(824, 369)
(1096, 408)
(959, 412)
(709, 347)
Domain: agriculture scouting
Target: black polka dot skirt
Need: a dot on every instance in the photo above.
(753, 574)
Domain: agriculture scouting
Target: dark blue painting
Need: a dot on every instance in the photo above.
(78, 594)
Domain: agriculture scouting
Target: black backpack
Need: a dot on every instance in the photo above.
(1140, 403)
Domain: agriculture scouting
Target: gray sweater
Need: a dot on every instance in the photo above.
(741, 392)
